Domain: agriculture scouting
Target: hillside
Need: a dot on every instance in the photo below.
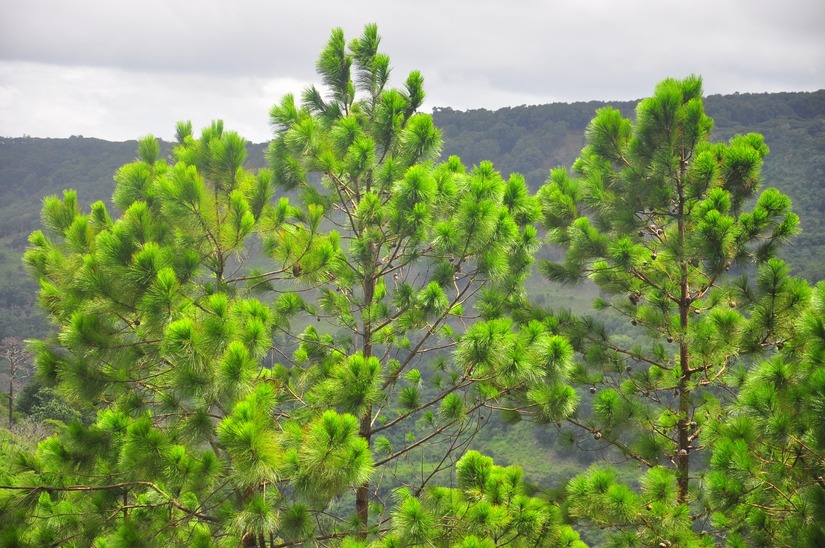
(533, 139)
(526, 139)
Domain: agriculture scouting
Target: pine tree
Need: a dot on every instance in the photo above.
(253, 362)
(656, 216)
(432, 259)
(768, 455)
(156, 331)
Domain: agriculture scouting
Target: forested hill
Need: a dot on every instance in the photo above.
(526, 139)
(533, 139)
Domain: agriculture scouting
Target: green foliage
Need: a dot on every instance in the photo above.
(526, 139)
(765, 484)
(238, 396)
(656, 215)
(43, 404)
(651, 517)
(535, 139)
(426, 248)
(169, 348)
(488, 507)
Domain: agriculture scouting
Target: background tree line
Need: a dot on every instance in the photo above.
(534, 139)
(527, 139)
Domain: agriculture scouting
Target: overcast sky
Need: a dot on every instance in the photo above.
(120, 70)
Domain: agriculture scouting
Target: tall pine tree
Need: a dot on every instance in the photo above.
(266, 372)
(432, 260)
(159, 334)
(657, 216)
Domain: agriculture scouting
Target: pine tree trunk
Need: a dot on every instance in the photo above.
(683, 435)
(683, 440)
(362, 493)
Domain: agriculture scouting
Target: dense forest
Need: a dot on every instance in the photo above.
(529, 140)
(534, 139)
(551, 325)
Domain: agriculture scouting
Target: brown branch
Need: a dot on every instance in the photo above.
(616, 443)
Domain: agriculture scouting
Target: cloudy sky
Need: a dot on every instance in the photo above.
(119, 70)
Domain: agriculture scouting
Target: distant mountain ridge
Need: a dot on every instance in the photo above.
(533, 139)
(527, 139)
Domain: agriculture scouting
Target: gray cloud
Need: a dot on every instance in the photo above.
(118, 70)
